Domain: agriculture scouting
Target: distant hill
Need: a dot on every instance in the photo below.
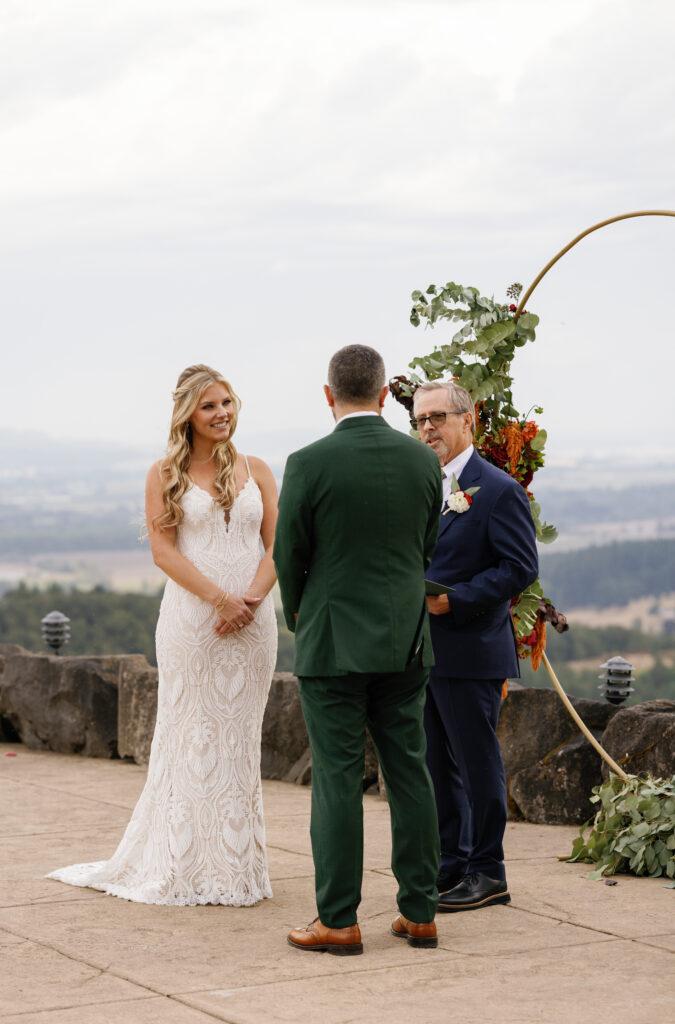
(612, 574)
(568, 507)
(26, 532)
(63, 498)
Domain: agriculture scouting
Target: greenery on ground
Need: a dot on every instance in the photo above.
(102, 621)
(633, 831)
(613, 574)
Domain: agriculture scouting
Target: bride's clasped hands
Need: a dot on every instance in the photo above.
(235, 612)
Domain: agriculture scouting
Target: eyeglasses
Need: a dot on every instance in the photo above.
(435, 419)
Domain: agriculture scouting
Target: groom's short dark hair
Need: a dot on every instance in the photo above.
(356, 374)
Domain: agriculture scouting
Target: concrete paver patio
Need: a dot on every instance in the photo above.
(565, 949)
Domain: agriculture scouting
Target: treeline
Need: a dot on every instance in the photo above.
(582, 642)
(613, 574)
(102, 621)
(105, 622)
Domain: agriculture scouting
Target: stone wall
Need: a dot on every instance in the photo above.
(641, 738)
(550, 767)
(106, 707)
(136, 710)
(65, 704)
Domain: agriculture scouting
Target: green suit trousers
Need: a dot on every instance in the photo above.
(337, 711)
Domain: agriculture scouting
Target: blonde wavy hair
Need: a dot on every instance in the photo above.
(190, 387)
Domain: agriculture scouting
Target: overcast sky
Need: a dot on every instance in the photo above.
(253, 185)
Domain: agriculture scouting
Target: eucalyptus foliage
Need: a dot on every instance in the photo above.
(633, 831)
(479, 357)
(480, 353)
(529, 605)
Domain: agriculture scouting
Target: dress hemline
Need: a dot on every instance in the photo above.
(124, 893)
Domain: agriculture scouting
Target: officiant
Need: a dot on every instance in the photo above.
(485, 555)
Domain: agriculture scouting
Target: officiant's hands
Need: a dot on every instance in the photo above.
(438, 604)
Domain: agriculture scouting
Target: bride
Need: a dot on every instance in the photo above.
(197, 834)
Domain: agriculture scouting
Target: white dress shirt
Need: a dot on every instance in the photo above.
(454, 467)
(349, 415)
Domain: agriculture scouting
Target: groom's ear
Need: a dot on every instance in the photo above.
(383, 395)
(330, 397)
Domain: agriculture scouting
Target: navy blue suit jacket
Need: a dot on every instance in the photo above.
(487, 554)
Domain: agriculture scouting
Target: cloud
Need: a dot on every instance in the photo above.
(255, 184)
(195, 105)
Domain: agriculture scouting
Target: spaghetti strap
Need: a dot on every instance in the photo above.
(248, 468)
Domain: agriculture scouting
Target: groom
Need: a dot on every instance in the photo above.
(358, 518)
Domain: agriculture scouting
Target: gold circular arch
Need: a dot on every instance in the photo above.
(588, 231)
(521, 306)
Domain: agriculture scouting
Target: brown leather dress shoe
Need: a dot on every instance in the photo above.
(319, 939)
(421, 935)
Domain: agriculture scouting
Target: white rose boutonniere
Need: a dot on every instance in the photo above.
(459, 500)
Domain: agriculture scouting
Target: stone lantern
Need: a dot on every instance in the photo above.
(616, 679)
(56, 630)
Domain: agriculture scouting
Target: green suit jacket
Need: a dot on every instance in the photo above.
(358, 518)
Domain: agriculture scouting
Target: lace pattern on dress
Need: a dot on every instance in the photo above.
(197, 833)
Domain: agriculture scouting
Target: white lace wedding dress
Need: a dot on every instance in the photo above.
(197, 833)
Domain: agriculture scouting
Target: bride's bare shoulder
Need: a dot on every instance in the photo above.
(260, 471)
(155, 475)
(257, 463)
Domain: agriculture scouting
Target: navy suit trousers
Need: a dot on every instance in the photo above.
(466, 766)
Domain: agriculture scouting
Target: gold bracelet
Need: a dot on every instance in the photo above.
(222, 601)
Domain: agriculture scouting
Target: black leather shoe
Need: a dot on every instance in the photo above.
(474, 892)
(446, 882)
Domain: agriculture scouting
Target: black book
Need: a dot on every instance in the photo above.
(434, 589)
